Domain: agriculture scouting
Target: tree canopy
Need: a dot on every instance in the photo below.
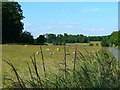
(40, 39)
(114, 38)
(11, 22)
(26, 37)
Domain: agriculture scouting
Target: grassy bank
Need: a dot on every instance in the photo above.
(84, 69)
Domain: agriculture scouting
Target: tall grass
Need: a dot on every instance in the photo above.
(96, 70)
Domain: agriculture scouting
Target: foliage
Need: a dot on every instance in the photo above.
(79, 38)
(114, 38)
(91, 44)
(59, 43)
(97, 44)
(119, 38)
(26, 37)
(41, 39)
(104, 43)
(11, 22)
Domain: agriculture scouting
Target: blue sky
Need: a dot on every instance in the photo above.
(88, 18)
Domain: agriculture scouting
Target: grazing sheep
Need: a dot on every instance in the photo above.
(50, 54)
(47, 49)
(73, 52)
(53, 53)
(25, 45)
(58, 49)
(37, 52)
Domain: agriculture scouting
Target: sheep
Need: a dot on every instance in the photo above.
(58, 49)
(53, 53)
(25, 45)
(47, 49)
(73, 52)
(50, 54)
(37, 52)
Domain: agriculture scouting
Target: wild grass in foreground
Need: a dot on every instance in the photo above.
(97, 70)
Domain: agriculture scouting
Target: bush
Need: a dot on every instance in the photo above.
(105, 43)
(59, 43)
(97, 44)
(64, 43)
(55, 43)
(91, 44)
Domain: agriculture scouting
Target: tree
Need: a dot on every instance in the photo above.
(119, 38)
(104, 43)
(114, 38)
(41, 39)
(51, 38)
(26, 37)
(11, 22)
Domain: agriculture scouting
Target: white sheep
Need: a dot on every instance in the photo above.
(47, 49)
(53, 53)
(50, 54)
(58, 49)
(25, 45)
(73, 52)
(37, 52)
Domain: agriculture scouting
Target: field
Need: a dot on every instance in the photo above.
(19, 55)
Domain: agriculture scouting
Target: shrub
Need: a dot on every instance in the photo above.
(105, 43)
(91, 44)
(97, 44)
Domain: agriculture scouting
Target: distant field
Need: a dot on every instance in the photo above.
(95, 42)
(81, 44)
(19, 54)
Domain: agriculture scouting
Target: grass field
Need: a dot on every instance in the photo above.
(19, 55)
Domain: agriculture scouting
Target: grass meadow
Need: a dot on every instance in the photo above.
(69, 67)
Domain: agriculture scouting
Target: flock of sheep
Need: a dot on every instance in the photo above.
(52, 53)
(49, 53)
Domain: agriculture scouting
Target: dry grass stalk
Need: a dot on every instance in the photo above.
(43, 64)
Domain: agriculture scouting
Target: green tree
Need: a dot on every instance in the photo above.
(104, 43)
(119, 38)
(51, 38)
(114, 38)
(26, 37)
(11, 22)
(41, 39)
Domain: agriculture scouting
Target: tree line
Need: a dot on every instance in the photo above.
(12, 31)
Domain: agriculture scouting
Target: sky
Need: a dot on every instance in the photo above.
(88, 18)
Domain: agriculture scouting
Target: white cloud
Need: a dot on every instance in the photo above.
(94, 9)
(27, 25)
(60, 23)
(68, 26)
(77, 23)
(101, 29)
(92, 29)
(90, 9)
(49, 27)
